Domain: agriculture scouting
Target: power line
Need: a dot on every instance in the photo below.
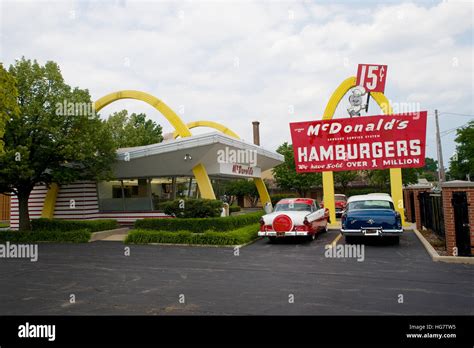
(450, 113)
(455, 113)
(448, 131)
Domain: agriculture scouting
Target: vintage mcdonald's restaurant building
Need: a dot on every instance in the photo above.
(183, 165)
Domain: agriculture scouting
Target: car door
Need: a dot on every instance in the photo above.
(317, 217)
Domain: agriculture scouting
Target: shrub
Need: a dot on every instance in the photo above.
(235, 237)
(199, 225)
(71, 225)
(77, 236)
(276, 197)
(193, 208)
(234, 208)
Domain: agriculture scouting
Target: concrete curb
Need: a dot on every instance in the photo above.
(436, 257)
(95, 236)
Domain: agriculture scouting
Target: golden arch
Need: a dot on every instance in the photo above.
(328, 177)
(259, 183)
(181, 129)
(159, 105)
(209, 124)
(199, 170)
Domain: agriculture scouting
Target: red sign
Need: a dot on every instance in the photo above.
(371, 142)
(372, 77)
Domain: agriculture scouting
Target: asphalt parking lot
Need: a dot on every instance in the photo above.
(283, 278)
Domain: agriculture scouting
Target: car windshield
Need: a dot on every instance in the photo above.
(370, 204)
(292, 207)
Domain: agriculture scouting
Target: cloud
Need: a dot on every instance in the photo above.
(235, 62)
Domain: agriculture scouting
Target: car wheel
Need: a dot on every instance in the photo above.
(271, 239)
(326, 228)
(311, 237)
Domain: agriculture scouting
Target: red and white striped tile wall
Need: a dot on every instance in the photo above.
(76, 201)
(35, 206)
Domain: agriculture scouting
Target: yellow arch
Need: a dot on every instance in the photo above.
(210, 124)
(396, 185)
(259, 183)
(199, 170)
(180, 127)
(159, 105)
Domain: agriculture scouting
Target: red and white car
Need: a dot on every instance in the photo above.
(340, 201)
(294, 217)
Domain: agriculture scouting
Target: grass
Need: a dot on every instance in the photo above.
(238, 236)
(199, 225)
(73, 225)
(58, 231)
(78, 236)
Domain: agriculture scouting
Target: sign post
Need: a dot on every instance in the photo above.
(378, 75)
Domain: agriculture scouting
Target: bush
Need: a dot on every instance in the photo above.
(234, 209)
(276, 197)
(235, 237)
(72, 225)
(199, 225)
(193, 208)
(77, 236)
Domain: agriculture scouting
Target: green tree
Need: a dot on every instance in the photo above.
(410, 175)
(286, 176)
(8, 101)
(431, 165)
(241, 189)
(462, 164)
(57, 138)
(430, 170)
(133, 130)
(381, 178)
(344, 178)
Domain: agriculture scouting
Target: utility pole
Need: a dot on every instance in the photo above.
(439, 150)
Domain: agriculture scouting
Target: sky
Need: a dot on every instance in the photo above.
(235, 62)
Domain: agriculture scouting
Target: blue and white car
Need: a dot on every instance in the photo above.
(371, 215)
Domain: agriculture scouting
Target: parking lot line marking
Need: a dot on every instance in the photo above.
(334, 242)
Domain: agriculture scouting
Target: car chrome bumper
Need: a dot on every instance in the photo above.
(282, 234)
(382, 232)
